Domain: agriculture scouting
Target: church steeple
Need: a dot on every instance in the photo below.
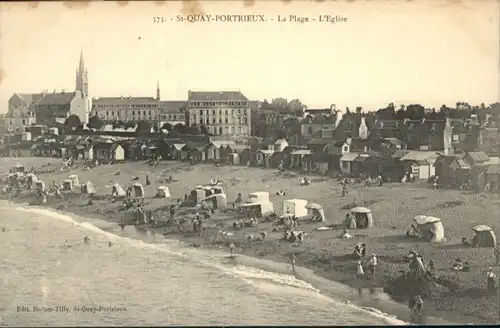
(82, 83)
(157, 90)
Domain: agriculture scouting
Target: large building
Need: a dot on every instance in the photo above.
(21, 111)
(220, 112)
(23, 107)
(127, 109)
(172, 112)
(58, 106)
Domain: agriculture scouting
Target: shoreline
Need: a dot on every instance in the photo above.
(385, 306)
(324, 254)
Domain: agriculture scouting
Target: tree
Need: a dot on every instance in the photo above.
(72, 123)
(118, 124)
(359, 110)
(415, 112)
(95, 123)
(143, 127)
(129, 124)
(167, 126)
(194, 129)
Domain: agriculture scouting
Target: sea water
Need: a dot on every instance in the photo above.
(144, 279)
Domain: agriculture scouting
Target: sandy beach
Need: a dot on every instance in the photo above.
(393, 206)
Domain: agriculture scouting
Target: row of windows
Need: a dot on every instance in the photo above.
(207, 112)
(133, 118)
(215, 121)
(173, 117)
(226, 130)
(106, 106)
(218, 103)
(118, 113)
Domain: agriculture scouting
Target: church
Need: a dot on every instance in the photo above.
(47, 108)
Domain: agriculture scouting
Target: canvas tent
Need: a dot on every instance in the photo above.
(484, 236)
(217, 201)
(88, 188)
(31, 179)
(363, 217)
(138, 190)
(258, 197)
(74, 179)
(295, 207)
(198, 194)
(316, 211)
(19, 168)
(429, 227)
(117, 191)
(67, 184)
(162, 192)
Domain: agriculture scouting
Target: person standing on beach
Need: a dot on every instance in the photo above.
(360, 272)
(491, 280)
(231, 248)
(293, 260)
(373, 264)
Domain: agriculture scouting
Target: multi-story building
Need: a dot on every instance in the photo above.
(21, 111)
(172, 112)
(220, 112)
(127, 109)
(57, 107)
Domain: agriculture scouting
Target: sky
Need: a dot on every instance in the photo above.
(427, 52)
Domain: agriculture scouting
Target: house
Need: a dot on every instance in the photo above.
(247, 156)
(311, 125)
(263, 157)
(317, 162)
(387, 129)
(232, 153)
(50, 148)
(21, 149)
(420, 163)
(429, 135)
(194, 151)
(354, 125)
(57, 107)
(107, 152)
(216, 149)
(346, 162)
(277, 158)
(83, 152)
(318, 145)
(476, 157)
(442, 167)
(297, 156)
(367, 164)
(170, 148)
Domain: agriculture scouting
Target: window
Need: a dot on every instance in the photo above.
(227, 121)
(201, 112)
(107, 113)
(456, 137)
(346, 149)
(310, 130)
(201, 121)
(220, 130)
(245, 120)
(213, 120)
(144, 113)
(149, 112)
(133, 112)
(227, 112)
(213, 112)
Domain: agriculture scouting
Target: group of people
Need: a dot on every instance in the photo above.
(86, 240)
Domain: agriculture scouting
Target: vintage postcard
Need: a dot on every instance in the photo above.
(219, 163)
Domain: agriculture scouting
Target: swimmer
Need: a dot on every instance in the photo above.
(4, 229)
(66, 244)
(231, 248)
(110, 244)
(86, 240)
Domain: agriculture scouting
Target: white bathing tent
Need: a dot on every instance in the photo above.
(317, 212)
(363, 217)
(74, 179)
(430, 227)
(295, 207)
(138, 190)
(162, 192)
(88, 188)
(117, 190)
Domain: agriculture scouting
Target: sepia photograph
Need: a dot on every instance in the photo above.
(262, 163)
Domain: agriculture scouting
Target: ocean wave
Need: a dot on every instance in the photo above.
(258, 272)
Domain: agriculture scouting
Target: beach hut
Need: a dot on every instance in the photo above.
(363, 217)
(295, 207)
(40, 185)
(484, 236)
(316, 211)
(162, 192)
(67, 185)
(88, 188)
(138, 190)
(257, 209)
(117, 191)
(74, 179)
(198, 194)
(217, 201)
(429, 227)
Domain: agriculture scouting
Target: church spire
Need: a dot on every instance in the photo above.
(81, 67)
(157, 89)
